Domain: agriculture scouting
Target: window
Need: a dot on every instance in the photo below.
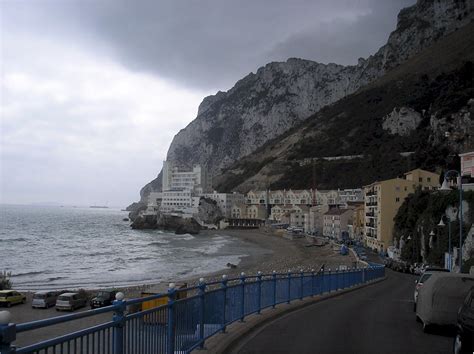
(420, 179)
(406, 188)
(397, 200)
(428, 179)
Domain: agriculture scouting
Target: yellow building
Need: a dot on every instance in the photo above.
(426, 179)
(382, 200)
(357, 225)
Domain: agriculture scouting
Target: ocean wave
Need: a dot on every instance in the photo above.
(185, 237)
(17, 275)
(18, 239)
(142, 258)
(158, 243)
(100, 254)
(56, 278)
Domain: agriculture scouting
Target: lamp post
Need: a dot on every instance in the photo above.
(445, 187)
(442, 224)
(412, 248)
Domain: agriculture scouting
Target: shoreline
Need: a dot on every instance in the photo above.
(272, 252)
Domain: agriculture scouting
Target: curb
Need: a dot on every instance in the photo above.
(233, 339)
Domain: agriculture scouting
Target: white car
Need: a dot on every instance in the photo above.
(424, 277)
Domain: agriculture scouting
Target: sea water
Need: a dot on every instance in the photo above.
(72, 247)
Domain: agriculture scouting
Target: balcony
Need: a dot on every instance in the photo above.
(370, 214)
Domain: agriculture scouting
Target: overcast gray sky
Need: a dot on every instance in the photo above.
(92, 92)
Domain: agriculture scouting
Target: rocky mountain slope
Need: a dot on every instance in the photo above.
(417, 115)
(280, 95)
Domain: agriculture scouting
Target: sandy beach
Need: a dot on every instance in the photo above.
(271, 253)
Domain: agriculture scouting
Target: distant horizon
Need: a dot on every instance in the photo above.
(55, 204)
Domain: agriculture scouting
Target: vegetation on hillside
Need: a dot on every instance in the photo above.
(353, 126)
(420, 214)
(5, 280)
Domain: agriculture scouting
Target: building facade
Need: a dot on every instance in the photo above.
(382, 200)
(181, 190)
(225, 201)
(174, 179)
(357, 222)
(335, 222)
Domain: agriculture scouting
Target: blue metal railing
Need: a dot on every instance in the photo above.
(188, 318)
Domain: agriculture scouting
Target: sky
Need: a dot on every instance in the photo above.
(93, 91)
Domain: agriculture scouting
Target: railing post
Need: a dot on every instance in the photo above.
(289, 286)
(363, 275)
(202, 292)
(312, 282)
(242, 307)
(329, 281)
(170, 333)
(224, 291)
(301, 283)
(259, 292)
(274, 276)
(119, 323)
(7, 333)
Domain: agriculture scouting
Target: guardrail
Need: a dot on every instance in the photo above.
(189, 317)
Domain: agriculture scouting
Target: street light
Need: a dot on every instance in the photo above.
(412, 248)
(442, 224)
(445, 187)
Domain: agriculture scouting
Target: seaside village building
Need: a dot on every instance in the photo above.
(297, 208)
(335, 222)
(356, 225)
(225, 201)
(182, 189)
(382, 200)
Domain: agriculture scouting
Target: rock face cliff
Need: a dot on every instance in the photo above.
(265, 104)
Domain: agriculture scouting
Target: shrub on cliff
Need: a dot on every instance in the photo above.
(420, 214)
(5, 281)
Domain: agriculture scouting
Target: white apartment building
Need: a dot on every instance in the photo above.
(174, 179)
(181, 190)
(299, 217)
(179, 200)
(315, 219)
(351, 195)
(225, 201)
(154, 203)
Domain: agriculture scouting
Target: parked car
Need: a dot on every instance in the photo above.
(103, 298)
(11, 297)
(464, 339)
(70, 302)
(44, 299)
(440, 297)
(420, 281)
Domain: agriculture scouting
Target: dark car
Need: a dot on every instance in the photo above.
(103, 298)
(463, 341)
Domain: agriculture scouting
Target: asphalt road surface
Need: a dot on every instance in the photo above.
(376, 319)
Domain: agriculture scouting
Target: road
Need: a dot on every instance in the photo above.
(376, 319)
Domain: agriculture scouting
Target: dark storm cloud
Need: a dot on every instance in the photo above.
(211, 44)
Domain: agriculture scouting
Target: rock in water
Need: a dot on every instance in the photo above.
(142, 222)
(178, 224)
